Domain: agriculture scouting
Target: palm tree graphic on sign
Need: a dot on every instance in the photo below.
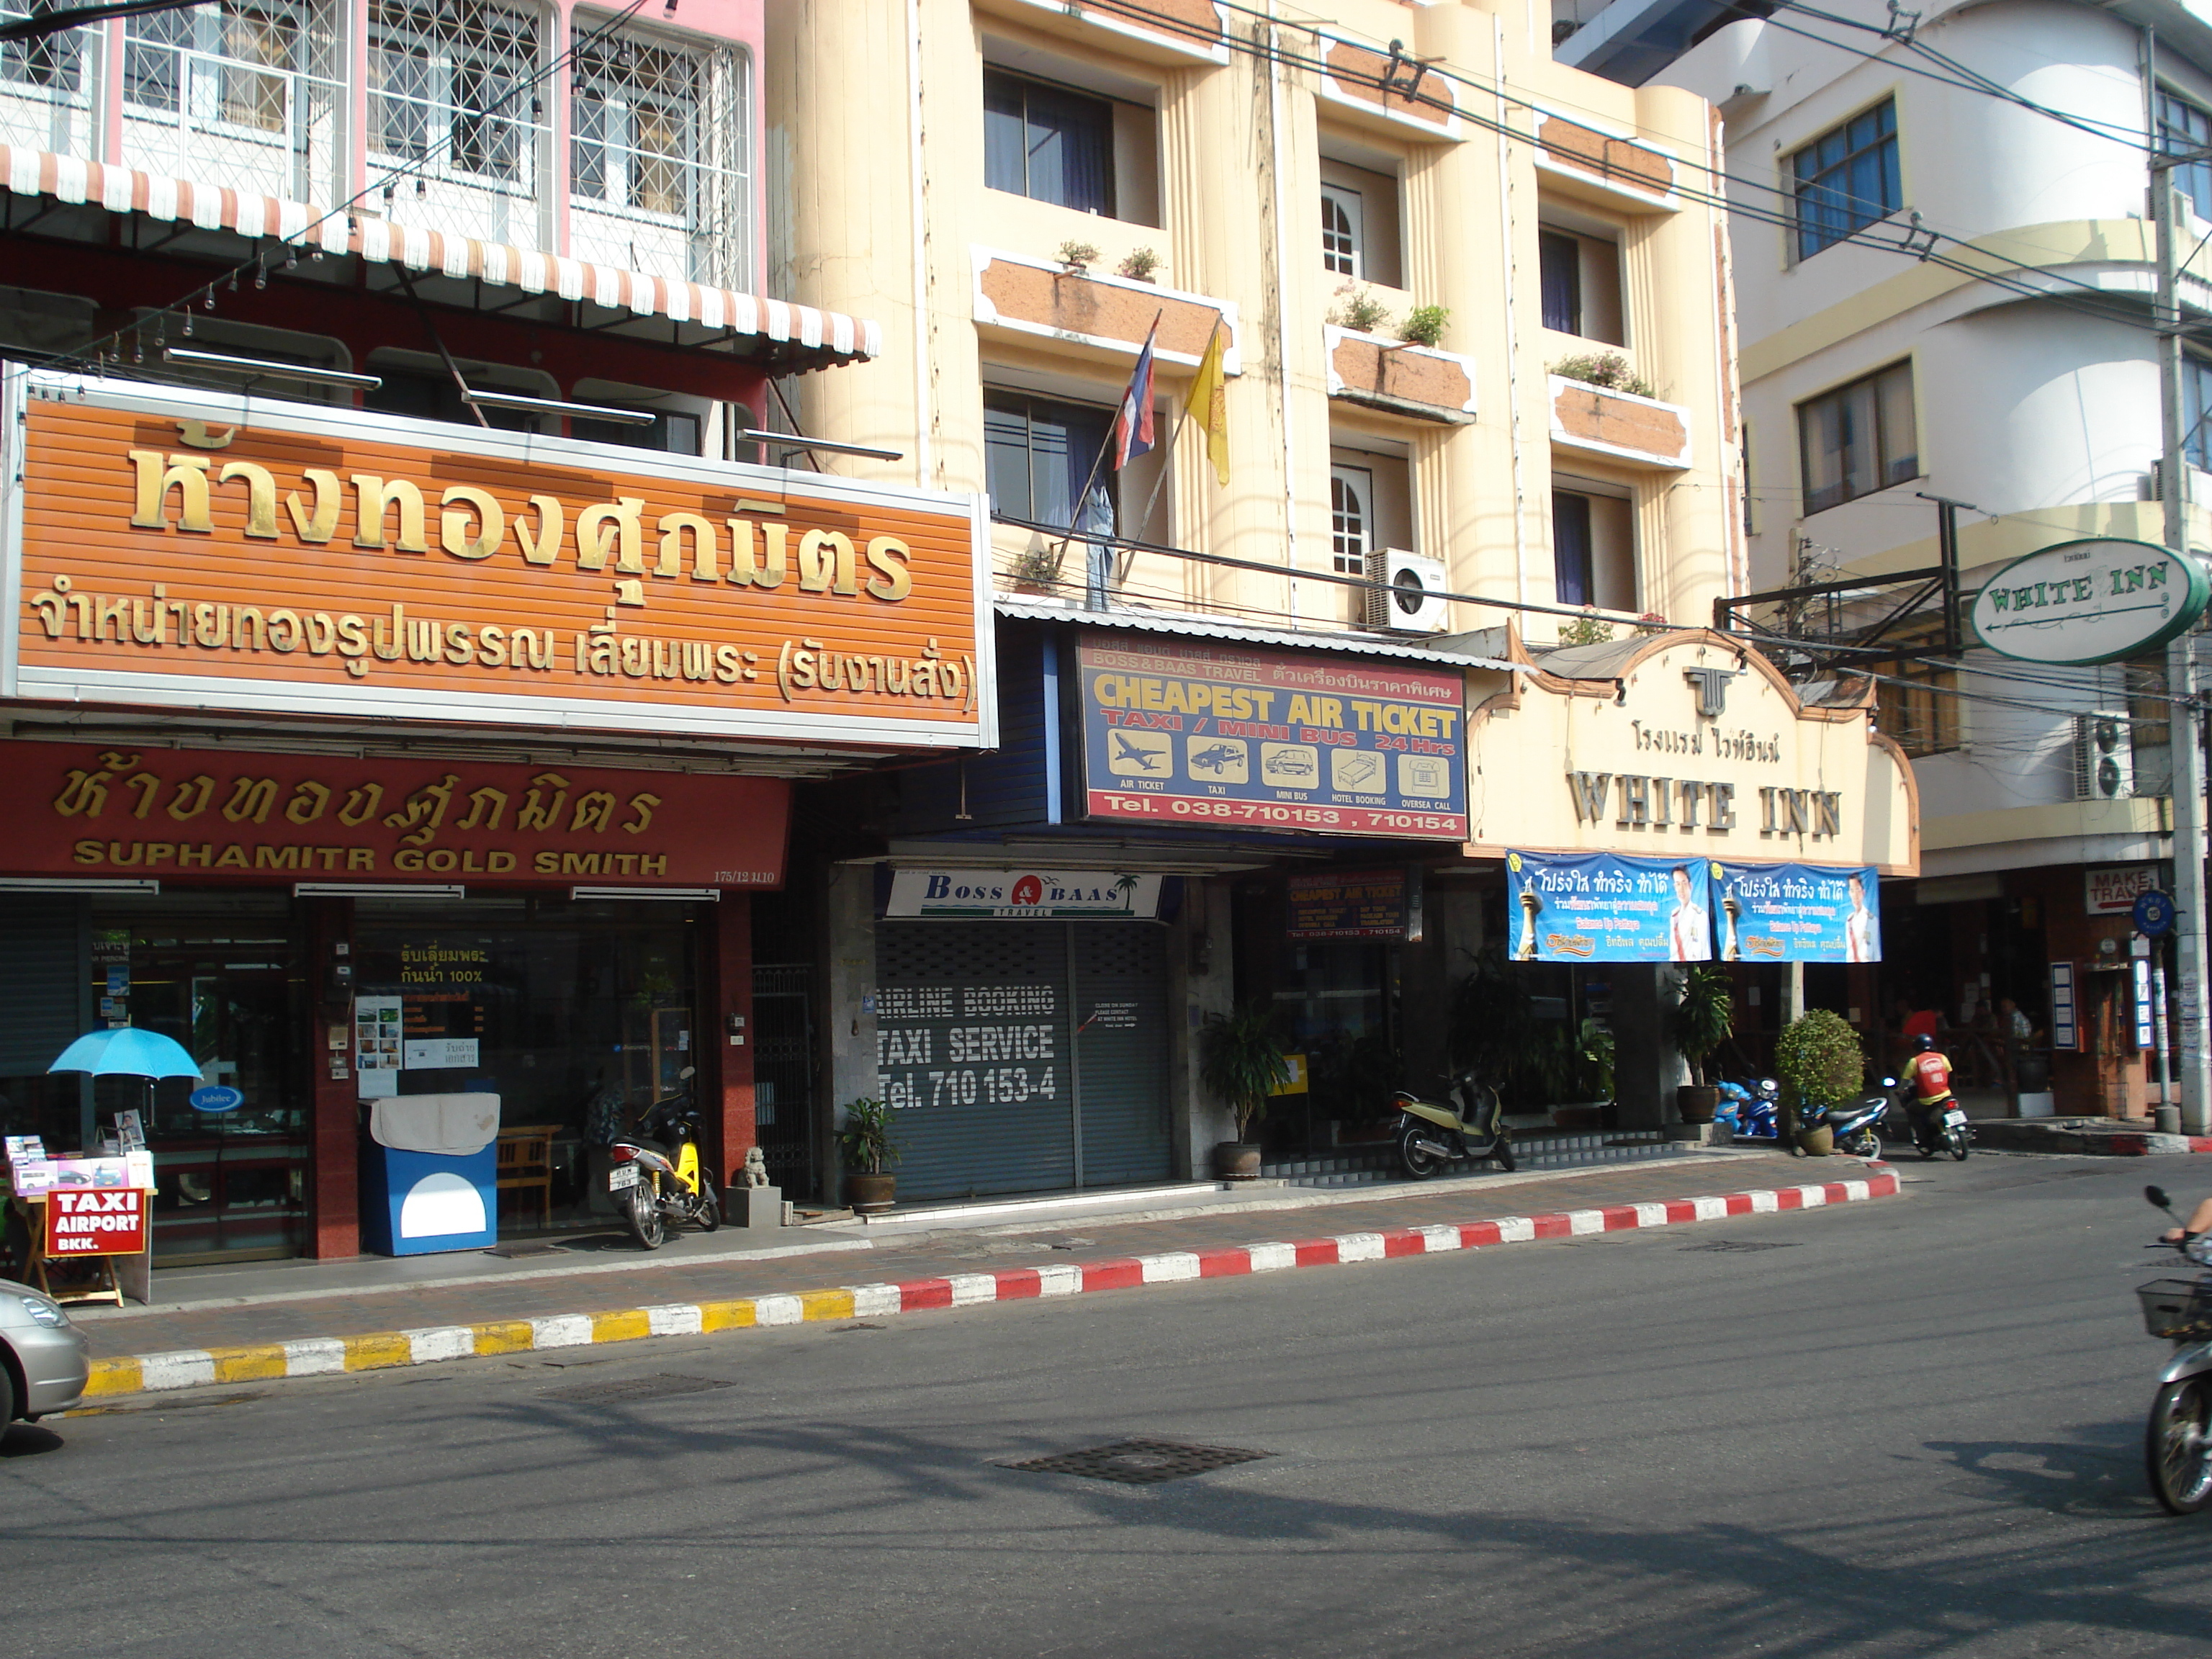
(1127, 887)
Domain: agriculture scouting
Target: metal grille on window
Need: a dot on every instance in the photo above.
(44, 87)
(659, 181)
(454, 105)
(233, 93)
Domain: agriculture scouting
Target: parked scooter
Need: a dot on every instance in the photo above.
(1469, 1128)
(1856, 1128)
(2177, 1442)
(655, 1175)
(1750, 1111)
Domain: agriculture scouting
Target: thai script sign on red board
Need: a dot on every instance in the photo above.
(208, 815)
(95, 1221)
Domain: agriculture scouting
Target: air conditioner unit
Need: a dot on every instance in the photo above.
(2103, 757)
(1413, 603)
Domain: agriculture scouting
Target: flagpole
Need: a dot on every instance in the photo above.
(1075, 510)
(1167, 459)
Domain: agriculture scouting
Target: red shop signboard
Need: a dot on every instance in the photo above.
(95, 1221)
(215, 816)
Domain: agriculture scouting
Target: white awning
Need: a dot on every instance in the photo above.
(73, 179)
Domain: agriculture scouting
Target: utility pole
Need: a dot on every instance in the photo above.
(2187, 724)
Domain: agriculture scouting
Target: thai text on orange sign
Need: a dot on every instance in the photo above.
(316, 549)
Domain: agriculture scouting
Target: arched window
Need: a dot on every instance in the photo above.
(1350, 490)
(1339, 230)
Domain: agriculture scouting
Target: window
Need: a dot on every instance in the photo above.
(1858, 440)
(2196, 399)
(451, 83)
(1351, 519)
(633, 119)
(1573, 573)
(2183, 126)
(1037, 455)
(1339, 230)
(1048, 143)
(54, 63)
(1920, 714)
(230, 65)
(675, 432)
(1847, 177)
(1559, 260)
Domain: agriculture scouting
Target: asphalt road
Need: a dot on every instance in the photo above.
(1909, 1427)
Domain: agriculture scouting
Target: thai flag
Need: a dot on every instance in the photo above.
(1133, 427)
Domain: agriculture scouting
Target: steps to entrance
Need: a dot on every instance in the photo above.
(1360, 1166)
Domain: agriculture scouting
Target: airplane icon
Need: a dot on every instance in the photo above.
(1126, 752)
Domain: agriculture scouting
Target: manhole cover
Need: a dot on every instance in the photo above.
(1747, 1244)
(511, 1251)
(1139, 1462)
(662, 1387)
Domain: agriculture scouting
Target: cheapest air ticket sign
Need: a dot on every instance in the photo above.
(1184, 733)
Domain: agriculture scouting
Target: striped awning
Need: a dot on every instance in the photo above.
(210, 207)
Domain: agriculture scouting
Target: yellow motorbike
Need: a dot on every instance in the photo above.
(655, 1175)
(1469, 1128)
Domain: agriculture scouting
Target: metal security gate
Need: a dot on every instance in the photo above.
(1023, 1056)
(783, 1075)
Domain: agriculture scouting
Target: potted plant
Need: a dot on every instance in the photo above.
(1076, 258)
(1139, 266)
(1702, 1019)
(865, 1145)
(1240, 1061)
(1821, 1063)
(1035, 570)
(1425, 326)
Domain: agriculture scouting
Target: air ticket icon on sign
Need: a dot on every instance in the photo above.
(1141, 754)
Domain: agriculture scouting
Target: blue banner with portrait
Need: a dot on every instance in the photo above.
(1796, 913)
(1608, 907)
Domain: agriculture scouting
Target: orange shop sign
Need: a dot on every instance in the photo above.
(185, 548)
(211, 815)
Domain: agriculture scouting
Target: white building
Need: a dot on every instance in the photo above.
(2014, 369)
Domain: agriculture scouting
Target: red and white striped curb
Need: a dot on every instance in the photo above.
(1016, 1283)
(374, 1350)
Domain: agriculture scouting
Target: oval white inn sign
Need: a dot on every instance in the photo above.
(2090, 602)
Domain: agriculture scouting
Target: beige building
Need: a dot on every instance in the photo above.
(1471, 309)
(1309, 187)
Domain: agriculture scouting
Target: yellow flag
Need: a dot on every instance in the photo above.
(1209, 405)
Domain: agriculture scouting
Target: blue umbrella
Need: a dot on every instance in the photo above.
(127, 1051)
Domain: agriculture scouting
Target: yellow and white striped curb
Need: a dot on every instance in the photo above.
(189, 1368)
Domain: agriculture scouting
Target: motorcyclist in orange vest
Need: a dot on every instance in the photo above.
(1928, 1073)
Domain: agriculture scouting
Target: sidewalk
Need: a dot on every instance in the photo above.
(407, 1318)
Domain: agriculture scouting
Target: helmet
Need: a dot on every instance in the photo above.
(1923, 1042)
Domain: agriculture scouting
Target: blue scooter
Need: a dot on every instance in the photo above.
(1750, 1111)
(1856, 1128)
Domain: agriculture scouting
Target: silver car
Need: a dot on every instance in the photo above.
(44, 1358)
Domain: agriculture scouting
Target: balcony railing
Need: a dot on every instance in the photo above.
(658, 172)
(46, 88)
(252, 126)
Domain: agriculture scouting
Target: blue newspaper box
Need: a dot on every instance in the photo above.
(437, 1188)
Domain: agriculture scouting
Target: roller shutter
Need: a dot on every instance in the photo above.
(42, 979)
(995, 1039)
(1120, 1061)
